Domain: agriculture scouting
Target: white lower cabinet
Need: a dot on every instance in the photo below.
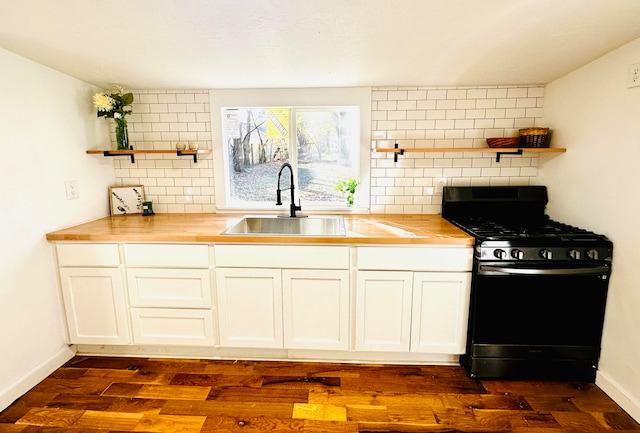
(398, 311)
(170, 294)
(93, 292)
(440, 312)
(95, 307)
(405, 303)
(383, 311)
(249, 307)
(299, 297)
(283, 308)
(316, 309)
(265, 305)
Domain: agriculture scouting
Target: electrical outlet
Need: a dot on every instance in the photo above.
(72, 189)
(633, 79)
(440, 183)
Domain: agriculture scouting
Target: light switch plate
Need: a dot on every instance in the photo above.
(633, 79)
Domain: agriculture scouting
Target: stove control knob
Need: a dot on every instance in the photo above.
(592, 254)
(517, 254)
(546, 254)
(573, 254)
(500, 254)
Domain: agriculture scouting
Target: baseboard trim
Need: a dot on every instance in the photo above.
(35, 376)
(619, 395)
(267, 354)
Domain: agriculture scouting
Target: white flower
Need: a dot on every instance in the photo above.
(103, 102)
(117, 115)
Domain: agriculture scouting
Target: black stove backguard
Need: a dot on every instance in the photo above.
(519, 203)
(538, 290)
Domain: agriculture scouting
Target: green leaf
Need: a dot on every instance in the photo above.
(127, 99)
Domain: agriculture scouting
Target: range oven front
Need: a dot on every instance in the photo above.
(536, 320)
(538, 290)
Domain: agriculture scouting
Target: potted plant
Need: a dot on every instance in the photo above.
(348, 186)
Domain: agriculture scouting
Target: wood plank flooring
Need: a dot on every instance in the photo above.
(99, 394)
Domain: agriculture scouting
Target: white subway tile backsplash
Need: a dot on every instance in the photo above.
(426, 104)
(436, 94)
(167, 98)
(387, 105)
(187, 98)
(497, 93)
(396, 115)
(486, 103)
(457, 94)
(397, 95)
(407, 105)
(496, 113)
(406, 124)
(483, 123)
(474, 94)
(158, 108)
(506, 103)
(465, 104)
(445, 104)
(416, 95)
(536, 92)
(378, 95)
(414, 117)
(517, 92)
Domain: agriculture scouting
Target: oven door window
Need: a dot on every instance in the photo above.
(538, 309)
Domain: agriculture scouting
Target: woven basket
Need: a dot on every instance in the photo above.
(534, 137)
(503, 142)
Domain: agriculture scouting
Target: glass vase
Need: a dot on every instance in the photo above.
(122, 135)
(349, 200)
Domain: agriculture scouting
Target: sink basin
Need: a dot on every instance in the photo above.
(275, 226)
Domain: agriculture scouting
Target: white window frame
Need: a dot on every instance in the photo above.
(312, 97)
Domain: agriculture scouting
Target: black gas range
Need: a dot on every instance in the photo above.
(539, 286)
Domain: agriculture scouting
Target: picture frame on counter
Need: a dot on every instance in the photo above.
(125, 200)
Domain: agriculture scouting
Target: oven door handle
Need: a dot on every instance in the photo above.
(597, 270)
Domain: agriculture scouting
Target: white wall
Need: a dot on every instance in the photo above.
(596, 185)
(46, 124)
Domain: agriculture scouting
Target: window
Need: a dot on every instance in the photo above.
(322, 142)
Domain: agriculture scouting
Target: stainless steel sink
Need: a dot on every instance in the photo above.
(275, 226)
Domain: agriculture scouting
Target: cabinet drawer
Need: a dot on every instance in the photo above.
(167, 255)
(79, 254)
(171, 288)
(278, 256)
(415, 259)
(174, 327)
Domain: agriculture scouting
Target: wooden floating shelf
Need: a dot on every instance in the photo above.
(132, 152)
(499, 151)
(476, 149)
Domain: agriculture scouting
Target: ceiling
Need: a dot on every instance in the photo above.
(205, 44)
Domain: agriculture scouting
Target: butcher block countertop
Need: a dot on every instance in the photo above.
(361, 229)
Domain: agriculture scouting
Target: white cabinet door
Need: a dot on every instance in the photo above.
(249, 307)
(95, 307)
(316, 309)
(440, 312)
(383, 310)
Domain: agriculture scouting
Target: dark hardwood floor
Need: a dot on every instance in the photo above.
(95, 394)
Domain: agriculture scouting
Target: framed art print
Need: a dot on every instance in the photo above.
(125, 200)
